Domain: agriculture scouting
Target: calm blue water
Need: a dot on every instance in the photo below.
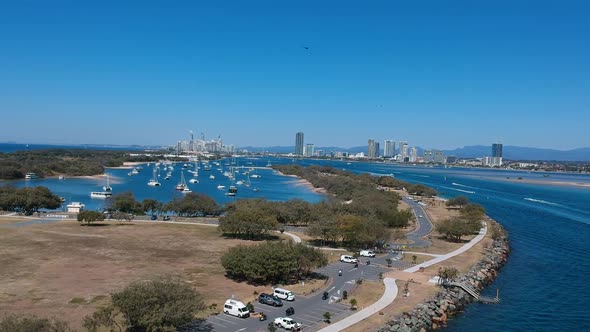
(12, 147)
(271, 185)
(543, 287)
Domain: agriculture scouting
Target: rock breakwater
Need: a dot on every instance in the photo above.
(433, 313)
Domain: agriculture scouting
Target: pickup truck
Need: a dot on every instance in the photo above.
(287, 323)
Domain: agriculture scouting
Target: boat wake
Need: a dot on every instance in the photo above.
(540, 201)
(463, 191)
(462, 185)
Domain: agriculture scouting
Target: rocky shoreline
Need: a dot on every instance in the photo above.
(433, 313)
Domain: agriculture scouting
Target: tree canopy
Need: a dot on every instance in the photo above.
(272, 262)
(28, 323)
(160, 305)
(28, 199)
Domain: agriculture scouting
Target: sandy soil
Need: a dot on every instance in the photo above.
(67, 270)
(128, 165)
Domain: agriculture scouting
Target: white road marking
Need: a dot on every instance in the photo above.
(225, 320)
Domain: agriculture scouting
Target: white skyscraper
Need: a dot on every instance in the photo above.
(413, 154)
(389, 148)
(403, 147)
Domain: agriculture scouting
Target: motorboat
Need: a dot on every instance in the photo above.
(31, 176)
(220, 187)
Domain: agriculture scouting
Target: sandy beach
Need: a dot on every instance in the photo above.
(128, 165)
(304, 182)
(540, 181)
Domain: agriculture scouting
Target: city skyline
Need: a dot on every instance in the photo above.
(423, 71)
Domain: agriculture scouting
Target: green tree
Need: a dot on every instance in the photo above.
(459, 201)
(89, 216)
(150, 205)
(249, 219)
(103, 317)
(22, 323)
(353, 303)
(157, 305)
(272, 262)
(455, 228)
(473, 212)
(327, 317)
(125, 202)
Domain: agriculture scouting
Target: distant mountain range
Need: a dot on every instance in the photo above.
(473, 151)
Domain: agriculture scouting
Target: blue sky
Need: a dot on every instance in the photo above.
(439, 74)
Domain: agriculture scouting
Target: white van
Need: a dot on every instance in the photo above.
(235, 308)
(367, 253)
(348, 259)
(284, 294)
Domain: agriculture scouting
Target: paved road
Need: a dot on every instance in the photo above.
(424, 226)
(308, 311)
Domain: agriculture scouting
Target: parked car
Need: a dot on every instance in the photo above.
(270, 300)
(287, 323)
(284, 294)
(165, 218)
(367, 253)
(236, 308)
(348, 259)
(154, 217)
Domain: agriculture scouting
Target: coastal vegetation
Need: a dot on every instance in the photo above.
(28, 199)
(28, 323)
(466, 223)
(69, 162)
(156, 305)
(272, 262)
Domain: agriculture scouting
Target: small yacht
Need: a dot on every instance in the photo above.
(101, 194)
(186, 190)
(181, 186)
(212, 177)
(239, 183)
(31, 176)
(232, 191)
(220, 187)
(255, 176)
(154, 181)
(193, 180)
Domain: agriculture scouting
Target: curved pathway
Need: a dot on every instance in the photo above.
(389, 295)
(424, 224)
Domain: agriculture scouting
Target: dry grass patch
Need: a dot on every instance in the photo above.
(418, 294)
(11, 220)
(67, 270)
(366, 294)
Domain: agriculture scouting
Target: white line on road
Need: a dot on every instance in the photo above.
(225, 320)
(212, 322)
(242, 329)
(331, 289)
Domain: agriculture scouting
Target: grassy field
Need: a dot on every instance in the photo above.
(67, 270)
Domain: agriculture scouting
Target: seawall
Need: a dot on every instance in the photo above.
(433, 313)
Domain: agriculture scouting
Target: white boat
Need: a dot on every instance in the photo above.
(193, 180)
(220, 187)
(107, 187)
(61, 177)
(256, 189)
(212, 177)
(232, 191)
(154, 181)
(239, 183)
(186, 190)
(135, 171)
(181, 186)
(31, 176)
(101, 194)
(106, 193)
(255, 176)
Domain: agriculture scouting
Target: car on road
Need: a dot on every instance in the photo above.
(236, 308)
(348, 259)
(420, 216)
(367, 253)
(287, 323)
(270, 300)
(284, 294)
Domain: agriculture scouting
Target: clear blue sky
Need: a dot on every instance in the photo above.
(439, 74)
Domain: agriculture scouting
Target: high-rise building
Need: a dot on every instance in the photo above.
(299, 144)
(497, 150)
(413, 154)
(373, 149)
(403, 150)
(309, 149)
(389, 148)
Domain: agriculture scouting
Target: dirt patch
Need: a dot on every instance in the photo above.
(418, 294)
(67, 270)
